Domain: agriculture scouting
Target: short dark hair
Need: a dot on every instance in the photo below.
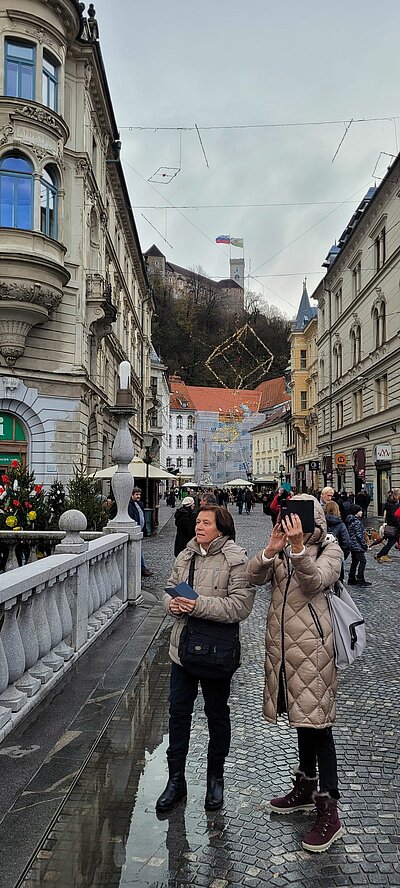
(223, 519)
(136, 490)
(209, 498)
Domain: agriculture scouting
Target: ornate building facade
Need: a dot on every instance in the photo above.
(74, 295)
(358, 348)
(304, 390)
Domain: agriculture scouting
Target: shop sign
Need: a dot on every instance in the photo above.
(340, 459)
(383, 453)
(314, 465)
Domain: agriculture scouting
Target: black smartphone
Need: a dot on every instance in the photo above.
(304, 509)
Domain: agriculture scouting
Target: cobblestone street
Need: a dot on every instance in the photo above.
(106, 833)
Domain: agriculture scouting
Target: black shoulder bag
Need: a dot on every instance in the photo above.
(208, 648)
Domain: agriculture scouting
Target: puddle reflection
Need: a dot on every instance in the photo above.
(108, 835)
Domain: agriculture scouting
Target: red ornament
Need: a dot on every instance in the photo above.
(14, 464)
(5, 479)
(38, 488)
(16, 503)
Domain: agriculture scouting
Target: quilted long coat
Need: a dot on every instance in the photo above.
(299, 655)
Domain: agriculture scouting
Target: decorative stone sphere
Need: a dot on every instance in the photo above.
(72, 521)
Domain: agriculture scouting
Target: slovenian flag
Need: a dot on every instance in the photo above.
(223, 239)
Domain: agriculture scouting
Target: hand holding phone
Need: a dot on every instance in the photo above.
(182, 590)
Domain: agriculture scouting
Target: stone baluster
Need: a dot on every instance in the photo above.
(96, 620)
(102, 581)
(12, 698)
(27, 683)
(4, 713)
(111, 569)
(43, 636)
(12, 562)
(73, 522)
(53, 618)
(63, 649)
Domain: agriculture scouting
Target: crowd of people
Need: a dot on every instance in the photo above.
(213, 582)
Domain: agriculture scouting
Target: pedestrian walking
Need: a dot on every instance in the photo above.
(240, 500)
(248, 499)
(135, 511)
(389, 517)
(300, 671)
(185, 521)
(336, 526)
(358, 547)
(225, 596)
(363, 499)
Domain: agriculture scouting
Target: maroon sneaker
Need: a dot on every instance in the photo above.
(327, 827)
(300, 798)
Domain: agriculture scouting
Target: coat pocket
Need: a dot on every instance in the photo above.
(317, 622)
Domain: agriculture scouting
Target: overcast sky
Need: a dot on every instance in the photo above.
(223, 64)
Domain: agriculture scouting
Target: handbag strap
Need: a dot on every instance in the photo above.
(191, 570)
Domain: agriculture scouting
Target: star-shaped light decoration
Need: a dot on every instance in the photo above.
(229, 355)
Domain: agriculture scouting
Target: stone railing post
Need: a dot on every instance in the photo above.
(73, 522)
(122, 485)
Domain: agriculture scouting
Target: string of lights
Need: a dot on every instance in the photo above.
(250, 126)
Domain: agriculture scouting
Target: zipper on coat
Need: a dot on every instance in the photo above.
(282, 669)
(316, 619)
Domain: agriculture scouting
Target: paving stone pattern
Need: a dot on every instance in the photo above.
(107, 834)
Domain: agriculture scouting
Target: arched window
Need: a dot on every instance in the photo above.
(190, 441)
(179, 442)
(179, 422)
(190, 462)
(48, 203)
(337, 351)
(190, 422)
(50, 81)
(355, 339)
(20, 69)
(16, 192)
(379, 324)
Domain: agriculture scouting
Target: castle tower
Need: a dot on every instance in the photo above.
(237, 271)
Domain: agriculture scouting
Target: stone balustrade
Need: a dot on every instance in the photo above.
(51, 610)
(25, 546)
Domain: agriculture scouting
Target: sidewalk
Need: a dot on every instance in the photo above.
(90, 807)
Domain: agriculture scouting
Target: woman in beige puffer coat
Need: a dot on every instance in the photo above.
(300, 671)
(225, 595)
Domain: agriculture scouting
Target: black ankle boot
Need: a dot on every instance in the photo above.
(175, 790)
(215, 785)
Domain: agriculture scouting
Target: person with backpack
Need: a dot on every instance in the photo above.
(358, 546)
(300, 670)
(336, 526)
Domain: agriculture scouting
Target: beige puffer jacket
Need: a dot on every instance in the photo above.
(225, 595)
(299, 637)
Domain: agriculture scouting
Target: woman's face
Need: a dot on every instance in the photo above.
(206, 528)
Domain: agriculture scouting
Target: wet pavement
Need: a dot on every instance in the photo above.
(87, 813)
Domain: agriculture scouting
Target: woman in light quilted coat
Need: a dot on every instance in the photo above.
(300, 671)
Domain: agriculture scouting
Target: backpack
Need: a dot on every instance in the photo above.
(348, 625)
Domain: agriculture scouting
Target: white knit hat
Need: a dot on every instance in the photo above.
(188, 501)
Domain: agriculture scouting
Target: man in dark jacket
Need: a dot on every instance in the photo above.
(185, 521)
(135, 511)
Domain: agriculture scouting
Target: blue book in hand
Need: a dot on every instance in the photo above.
(182, 590)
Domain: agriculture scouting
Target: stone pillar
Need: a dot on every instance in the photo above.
(122, 484)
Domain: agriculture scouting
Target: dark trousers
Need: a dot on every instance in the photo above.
(183, 692)
(357, 559)
(387, 547)
(240, 507)
(316, 746)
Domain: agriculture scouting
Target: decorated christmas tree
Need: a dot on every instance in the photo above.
(56, 499)
(23, 504)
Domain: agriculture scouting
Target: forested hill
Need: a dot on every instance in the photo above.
(187, 330)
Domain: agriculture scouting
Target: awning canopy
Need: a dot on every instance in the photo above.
(137, 468)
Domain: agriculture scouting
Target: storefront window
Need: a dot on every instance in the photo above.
(13, 444)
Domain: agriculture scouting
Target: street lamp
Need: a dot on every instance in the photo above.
(282, 470)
